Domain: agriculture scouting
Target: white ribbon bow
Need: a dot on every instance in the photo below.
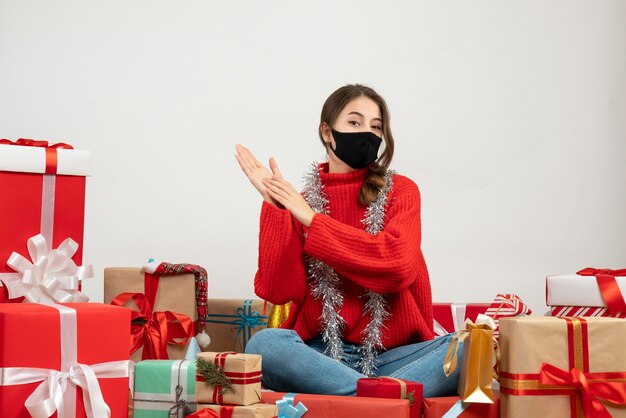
(51, 277)
(48, 397)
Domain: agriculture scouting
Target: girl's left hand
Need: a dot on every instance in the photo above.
(284, 193)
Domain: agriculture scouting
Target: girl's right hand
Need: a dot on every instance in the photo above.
(256, 172)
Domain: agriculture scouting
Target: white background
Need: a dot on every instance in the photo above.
(510, 116)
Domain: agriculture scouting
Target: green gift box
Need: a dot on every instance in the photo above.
(164, 388)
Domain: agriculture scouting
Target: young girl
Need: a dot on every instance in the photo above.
(346, 254)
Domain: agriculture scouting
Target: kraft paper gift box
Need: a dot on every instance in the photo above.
(42, 346)
(562, 367)
(439, 407)
(323, 406)
(43, 188)
(163, 387)
(176, 293)
(389, 387)
(231, 322)
(259, 410)
(590, 292)
(228, 378)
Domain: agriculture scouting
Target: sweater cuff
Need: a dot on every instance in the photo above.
(314, 245)
(270, 212)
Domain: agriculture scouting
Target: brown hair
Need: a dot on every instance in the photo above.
(374, 180)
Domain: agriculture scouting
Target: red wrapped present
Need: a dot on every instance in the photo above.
(43, 193)
(390, 387)
(323, 406)
(64, 358)
(452, 405)
(450, 317)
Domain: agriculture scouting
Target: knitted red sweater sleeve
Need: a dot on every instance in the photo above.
(281, 276)
(384, 263)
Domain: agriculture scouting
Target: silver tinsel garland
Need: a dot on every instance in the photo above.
(326, 284)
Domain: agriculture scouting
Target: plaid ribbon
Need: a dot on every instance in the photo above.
(202, 283)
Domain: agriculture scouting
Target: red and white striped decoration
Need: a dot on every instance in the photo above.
(585, 311)
(506, 305)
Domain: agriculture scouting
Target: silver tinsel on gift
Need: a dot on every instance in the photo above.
(326, 284)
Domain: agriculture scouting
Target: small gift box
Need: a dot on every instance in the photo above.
(452, 406)
(389, 387)
(70, 358)
(590, 287)
(164, 388)
(258, 410)
(43, 189)
(173, 297)
(228, 378)
(562, 367)
(476, 373)
(323, 406)
(231, 322)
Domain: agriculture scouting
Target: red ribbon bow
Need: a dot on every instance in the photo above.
(591, 390)
(51, 150)
(608, 287)
(158, 329)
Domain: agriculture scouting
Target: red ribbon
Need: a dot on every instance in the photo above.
(51, 150)
(608, 287)
(591, 391)
(159, 329)
(204, 413)
(236, 378)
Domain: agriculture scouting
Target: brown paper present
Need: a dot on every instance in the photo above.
(231, 322)
(562, 367)
(176, 293)
(228, 378)
(259, 410)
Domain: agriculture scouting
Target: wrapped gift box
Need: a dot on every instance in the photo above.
(41, 345)
(323, 406)
(231, 322)
(177, 293)
(240, 374)
(589, 288)
(450, 317)
(387, 387)
(43, 192)
(559, 367)
(438, 407)
(259, 410)
(156, 383)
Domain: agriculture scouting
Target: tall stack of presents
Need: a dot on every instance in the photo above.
(159, 347)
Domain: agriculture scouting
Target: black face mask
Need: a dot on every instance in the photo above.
(357, 149)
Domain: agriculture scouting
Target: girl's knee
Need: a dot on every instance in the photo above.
(269, 340)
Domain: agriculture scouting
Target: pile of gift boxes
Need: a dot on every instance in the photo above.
(159, 347)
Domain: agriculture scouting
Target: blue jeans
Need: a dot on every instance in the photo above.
(293, 365)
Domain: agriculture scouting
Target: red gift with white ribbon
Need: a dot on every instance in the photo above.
(43, 189)
(54, 360)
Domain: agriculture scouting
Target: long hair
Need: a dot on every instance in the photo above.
(374, 180)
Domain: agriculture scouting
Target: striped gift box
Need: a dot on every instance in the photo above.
(586, 311)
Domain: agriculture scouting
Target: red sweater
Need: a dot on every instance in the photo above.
(390, 262)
